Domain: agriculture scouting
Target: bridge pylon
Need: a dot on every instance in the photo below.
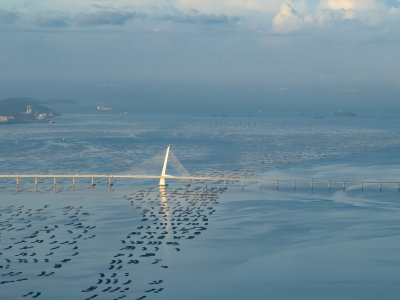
(164, 169)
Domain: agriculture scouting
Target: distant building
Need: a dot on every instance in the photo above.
(5, 119)
(41, 116)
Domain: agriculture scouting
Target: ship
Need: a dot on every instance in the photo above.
(101, 107)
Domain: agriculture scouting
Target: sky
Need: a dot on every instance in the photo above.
(280, 54)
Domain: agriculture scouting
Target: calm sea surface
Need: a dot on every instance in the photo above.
(137, 241)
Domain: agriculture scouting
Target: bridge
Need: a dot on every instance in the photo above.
(168, 157)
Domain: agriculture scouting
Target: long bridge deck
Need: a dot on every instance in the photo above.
(193, 178)
(110, 177)
(188, 178)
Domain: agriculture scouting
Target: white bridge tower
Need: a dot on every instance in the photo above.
(162, 179)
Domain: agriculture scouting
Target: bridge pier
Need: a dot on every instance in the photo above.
(344, 186)
(380, 187)
(92, 183)
(109, 182)
(362, 186)
(73, 183)
(241, 184)
(36, 184)
(225, 185)
(312, 184)
(259, 185)
(187, 184)
(55, 183)
(329, 185)
(398, 187)
(277, 185)
(294, 185)
(18, 184)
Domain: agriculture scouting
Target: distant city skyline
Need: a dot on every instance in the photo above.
(298, 52)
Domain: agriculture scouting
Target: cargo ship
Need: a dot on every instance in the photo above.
(101, 107)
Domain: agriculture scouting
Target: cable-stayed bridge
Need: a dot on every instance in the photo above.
(150, 169)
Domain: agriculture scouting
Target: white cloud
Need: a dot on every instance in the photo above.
(291, 17)
(338, 4)
(361, 5)
(294, 15)
(366, 10)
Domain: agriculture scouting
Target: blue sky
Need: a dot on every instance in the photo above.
(313, 49)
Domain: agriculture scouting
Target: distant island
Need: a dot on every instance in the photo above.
(24, 110)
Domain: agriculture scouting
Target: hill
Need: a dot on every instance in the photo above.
(23, 110)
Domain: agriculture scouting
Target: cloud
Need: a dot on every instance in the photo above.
(53, 22)
(295, 14)
(255, 5)
(8, 17)
(338, 4)
(290, 17)
(205, 19)
(367, 11)
(285, 16)
(231, 7)
(107, 18)
(348, 5)
(204, 6)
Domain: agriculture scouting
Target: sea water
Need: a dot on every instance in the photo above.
(133, 241)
